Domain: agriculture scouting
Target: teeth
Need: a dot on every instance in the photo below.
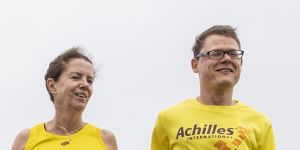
(226, 69)
(80, 95)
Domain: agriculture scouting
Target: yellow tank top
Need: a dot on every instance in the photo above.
(88, 138)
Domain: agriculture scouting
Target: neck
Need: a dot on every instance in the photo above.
(218, 97)
(69, 121)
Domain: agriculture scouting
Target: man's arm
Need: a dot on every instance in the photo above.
(268, 141)
(20, 140)
(159, 136)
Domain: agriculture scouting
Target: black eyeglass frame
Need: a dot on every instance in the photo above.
(239, 52)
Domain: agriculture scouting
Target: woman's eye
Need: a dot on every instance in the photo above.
(75, 77)
(90, 81)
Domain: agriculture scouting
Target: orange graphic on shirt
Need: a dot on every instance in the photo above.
(242, 135)
(221, 145)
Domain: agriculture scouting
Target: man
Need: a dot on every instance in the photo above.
(213, 121)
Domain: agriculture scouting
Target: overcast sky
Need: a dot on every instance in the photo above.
(142, 52)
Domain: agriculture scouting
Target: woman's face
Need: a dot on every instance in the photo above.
(74, 86)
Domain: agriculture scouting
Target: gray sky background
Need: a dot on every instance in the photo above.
(142, 51)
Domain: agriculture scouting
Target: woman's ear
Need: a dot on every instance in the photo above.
(51, 85)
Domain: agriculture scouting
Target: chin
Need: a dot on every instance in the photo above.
(79, 105)
(226, 82)
(79, 108)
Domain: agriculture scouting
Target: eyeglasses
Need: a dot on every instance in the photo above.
(219, 54)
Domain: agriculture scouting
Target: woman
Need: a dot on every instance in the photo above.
(69, 81)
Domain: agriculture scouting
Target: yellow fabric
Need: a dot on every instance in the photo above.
(88, 138)
(191, 125)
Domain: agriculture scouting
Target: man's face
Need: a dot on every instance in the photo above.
(218, 73)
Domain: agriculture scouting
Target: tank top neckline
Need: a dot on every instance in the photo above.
(63, 136)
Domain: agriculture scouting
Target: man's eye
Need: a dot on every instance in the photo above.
(216, 53)
(233, 54)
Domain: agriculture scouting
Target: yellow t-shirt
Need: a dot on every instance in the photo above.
(191, 125)
(88, 138)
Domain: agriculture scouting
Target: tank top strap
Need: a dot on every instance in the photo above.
(35, 132)
(96, 132)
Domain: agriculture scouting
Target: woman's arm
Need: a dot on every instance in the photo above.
(109, 139)
(20, 140)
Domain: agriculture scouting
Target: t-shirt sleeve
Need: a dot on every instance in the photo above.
(159, 135)
(268, 141)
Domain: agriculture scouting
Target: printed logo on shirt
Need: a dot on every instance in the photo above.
(206, 131)
(227, 138)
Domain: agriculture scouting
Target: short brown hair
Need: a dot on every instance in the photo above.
(225, 30)
(57, 66)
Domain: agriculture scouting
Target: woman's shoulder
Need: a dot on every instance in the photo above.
(109, 139)
(106, 134)
(21, 140)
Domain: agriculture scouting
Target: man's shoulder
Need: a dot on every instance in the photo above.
(255, 113)
(179, 107)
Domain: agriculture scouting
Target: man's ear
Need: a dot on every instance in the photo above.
(242, 62)
(51, 85)
(194, 64)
